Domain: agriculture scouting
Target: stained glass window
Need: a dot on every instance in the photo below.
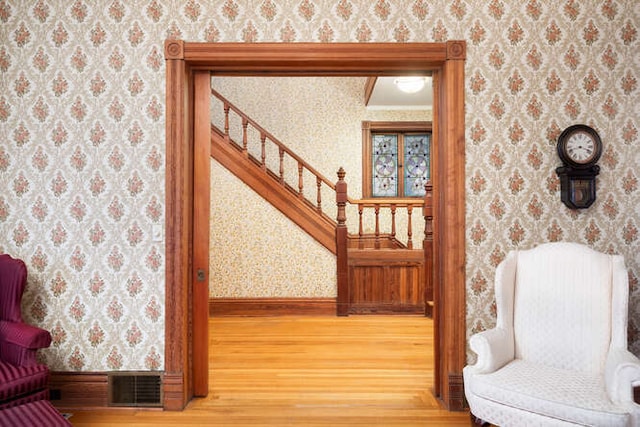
(385, 165)
(399, 164)
(416, 164)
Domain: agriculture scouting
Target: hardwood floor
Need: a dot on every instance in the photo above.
(309, 371)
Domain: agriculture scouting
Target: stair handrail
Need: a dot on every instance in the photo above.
(228, 105)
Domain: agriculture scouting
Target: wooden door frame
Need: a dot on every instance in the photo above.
(185, 60)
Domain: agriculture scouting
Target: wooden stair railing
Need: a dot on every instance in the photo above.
(319, 180)
(316, 224)
(291, 200)
(378, 240)
(371, 246)
(310, 214)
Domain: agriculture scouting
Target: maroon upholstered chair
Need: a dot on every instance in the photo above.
(40, 413)
(22, 378)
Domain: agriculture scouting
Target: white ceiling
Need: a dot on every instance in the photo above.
(386, 95)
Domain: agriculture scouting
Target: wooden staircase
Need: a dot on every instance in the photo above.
(370, 265)
(264, 182)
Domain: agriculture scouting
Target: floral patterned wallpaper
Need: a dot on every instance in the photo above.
(82, 142)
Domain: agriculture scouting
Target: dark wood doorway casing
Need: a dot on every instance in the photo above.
(186, 65)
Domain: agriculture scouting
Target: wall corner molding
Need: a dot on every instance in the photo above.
(456, 50)
(173, 390)
(457, 401)
(174, 49)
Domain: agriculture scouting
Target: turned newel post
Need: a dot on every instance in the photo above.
(427, 245)
(342, 301)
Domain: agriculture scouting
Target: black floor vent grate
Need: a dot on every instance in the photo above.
(135, 389)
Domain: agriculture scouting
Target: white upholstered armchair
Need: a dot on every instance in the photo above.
(558, 354)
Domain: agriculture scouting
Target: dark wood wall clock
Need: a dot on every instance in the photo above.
(579, 149)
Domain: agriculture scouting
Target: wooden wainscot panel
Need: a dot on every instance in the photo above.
(79, 389)
(457, 400)
(173, 389)
(386, 281)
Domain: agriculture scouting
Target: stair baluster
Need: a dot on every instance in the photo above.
(393, 221)
(281, 154)
(409, 227)
(263, 151)
(300, 183)
(319, 196)
(226, 121)
(376, 208)
(245, 123)
(360, 228)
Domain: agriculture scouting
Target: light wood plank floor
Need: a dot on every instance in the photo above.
(309, 371)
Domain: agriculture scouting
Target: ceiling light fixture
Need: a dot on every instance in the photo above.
(410, 84)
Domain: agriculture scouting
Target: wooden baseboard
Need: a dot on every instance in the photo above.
(272, 306)
(368, 308)
(457, 401)
(78, 389)
(90, 390)
(175, 395)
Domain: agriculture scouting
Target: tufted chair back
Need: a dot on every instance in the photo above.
(13, 279)
(563, 307)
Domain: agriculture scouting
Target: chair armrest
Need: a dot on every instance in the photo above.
(622, 373)
(24, 335)
(494, 348)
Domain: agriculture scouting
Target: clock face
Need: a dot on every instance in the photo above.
(581, 147)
